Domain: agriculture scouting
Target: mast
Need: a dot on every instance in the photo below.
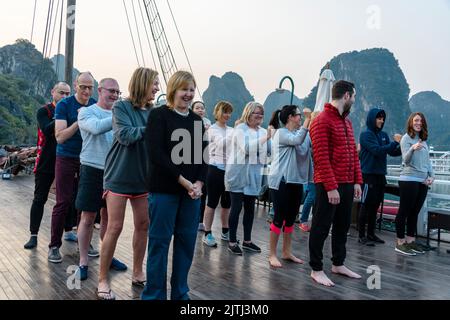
(70, 40)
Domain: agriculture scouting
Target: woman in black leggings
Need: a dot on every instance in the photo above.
(415, 179)
(219, 137)
(286, 178)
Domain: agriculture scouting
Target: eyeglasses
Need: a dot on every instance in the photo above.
(258, 114)
(64, 93)
(112, 91)
(83, 87)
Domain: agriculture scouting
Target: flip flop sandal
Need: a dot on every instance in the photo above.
(106, 295)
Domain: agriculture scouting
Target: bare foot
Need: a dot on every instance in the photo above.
(274, 262)
(321, 278)
(292, 258)
(344, 271)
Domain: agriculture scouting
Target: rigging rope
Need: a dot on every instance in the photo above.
(148, 37)
(49, 29)
(34, 18)
(54, 28)
(131, 33)
(138, 32)
(165, 55)
(44, 49)
(182, 44)
(59, 40)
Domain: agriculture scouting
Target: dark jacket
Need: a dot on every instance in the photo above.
(375, 146)
(45, 161)
(334, 150)
(167, 132)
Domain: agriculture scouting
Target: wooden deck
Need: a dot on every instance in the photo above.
(215, 274)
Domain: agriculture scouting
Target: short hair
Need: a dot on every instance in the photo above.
(82, 74)
(140, 84)
(248, 111)
(423, 135)
(340, 88)
(62, 83)
(221, 108)
(103, 81)
(179, 80)
(198, 102)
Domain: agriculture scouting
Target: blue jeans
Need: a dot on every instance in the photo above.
(310, 191)
(175, 215)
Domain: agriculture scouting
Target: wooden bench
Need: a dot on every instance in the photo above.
(437, 219)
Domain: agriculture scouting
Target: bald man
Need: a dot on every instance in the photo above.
(68, 151)
(45, 161)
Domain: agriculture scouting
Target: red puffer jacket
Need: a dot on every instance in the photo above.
(334, 150)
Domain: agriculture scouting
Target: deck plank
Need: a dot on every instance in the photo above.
(215, 273)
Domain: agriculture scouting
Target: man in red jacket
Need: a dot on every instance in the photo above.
(337, 174)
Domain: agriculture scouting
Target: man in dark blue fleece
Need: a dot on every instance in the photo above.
(375, 146)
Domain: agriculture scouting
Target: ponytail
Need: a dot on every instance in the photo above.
(275, 120)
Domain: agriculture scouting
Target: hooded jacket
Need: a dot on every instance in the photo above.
(375, 146)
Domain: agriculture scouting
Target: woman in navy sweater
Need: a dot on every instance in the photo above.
(175, 142)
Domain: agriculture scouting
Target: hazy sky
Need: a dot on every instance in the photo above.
(259, 39)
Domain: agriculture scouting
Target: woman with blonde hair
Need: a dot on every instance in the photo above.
(126, 170)
(219, 137)
(177, 173)
(250, 146)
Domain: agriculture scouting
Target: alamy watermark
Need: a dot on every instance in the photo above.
(73, 281)
(375, 18)
(71, 17)
(374, 280)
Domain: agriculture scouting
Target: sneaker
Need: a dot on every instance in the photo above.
(31, 244)
(235, 249)
(304, 227)
(225, 236)
(92, 252)
(201, 227)
(376, 239)
(209, 240)
(82, 273)
(365, 241)
(118, 265)
(54, 256)
(415, 247)
(404, 249)
(71, 236)
(251, 247)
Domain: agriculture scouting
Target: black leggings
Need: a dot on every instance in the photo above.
(237, 199)
(215, 184)
(286, 205)
(412, 198)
